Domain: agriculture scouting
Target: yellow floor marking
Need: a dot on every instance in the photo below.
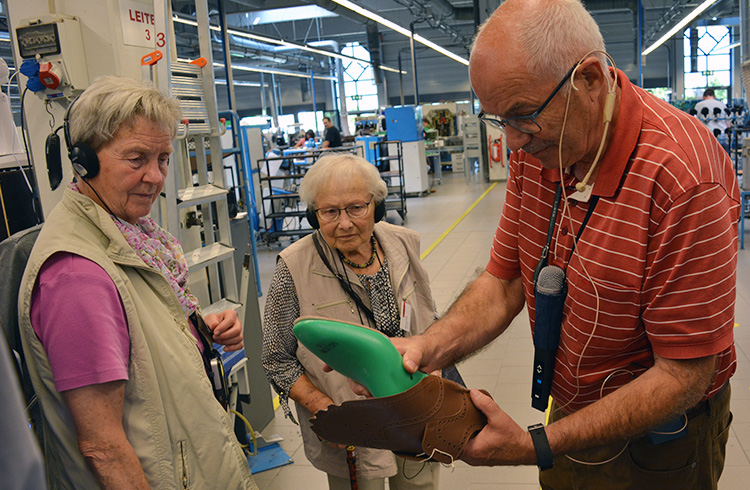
(455, 223)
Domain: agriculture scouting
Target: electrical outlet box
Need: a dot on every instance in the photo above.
(56, 39)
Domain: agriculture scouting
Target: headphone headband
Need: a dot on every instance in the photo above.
(81, 155)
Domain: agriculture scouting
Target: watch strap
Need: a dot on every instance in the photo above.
(544, 456)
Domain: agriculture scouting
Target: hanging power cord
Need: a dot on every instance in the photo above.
(32, 190)
(5, 212)
(252, 434)
(14, 138)
(421, 468)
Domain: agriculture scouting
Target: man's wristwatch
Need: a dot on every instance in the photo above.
(544, 457)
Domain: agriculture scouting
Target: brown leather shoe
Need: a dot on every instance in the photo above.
(433, 420)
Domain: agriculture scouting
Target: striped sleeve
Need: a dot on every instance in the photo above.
(504, 261)
(690, 276)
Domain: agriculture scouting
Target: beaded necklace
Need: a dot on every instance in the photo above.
(366, 264)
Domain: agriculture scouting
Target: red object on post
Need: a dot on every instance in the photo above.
(201, 62)
(48, 75)
(152, 58)
(351, 462)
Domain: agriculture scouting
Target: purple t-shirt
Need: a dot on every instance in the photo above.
(77, 313)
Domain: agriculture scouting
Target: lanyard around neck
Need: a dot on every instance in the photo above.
(551, 228)
(552, 219)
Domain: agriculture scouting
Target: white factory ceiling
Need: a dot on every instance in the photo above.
(448, 23)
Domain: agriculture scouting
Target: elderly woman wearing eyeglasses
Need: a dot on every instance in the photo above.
(353, 268)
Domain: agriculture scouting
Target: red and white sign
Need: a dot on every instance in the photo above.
(138, 26)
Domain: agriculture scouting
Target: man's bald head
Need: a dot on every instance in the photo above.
(523, 55)
(542, 37)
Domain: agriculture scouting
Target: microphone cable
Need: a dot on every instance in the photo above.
(566, 213)
(612, 88)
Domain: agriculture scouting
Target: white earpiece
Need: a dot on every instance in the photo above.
(609, 109)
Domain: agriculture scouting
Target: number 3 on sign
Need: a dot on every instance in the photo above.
(160, 38)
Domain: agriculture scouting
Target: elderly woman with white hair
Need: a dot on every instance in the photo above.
(353, 268)
(117, 350)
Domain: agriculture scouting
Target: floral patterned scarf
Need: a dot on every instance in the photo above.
(160, 250)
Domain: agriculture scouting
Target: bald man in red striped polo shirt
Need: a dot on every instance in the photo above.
(640, 387)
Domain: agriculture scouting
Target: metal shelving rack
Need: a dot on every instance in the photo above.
(198, 204)
(391, 166)
(198, 198)
(282, 210)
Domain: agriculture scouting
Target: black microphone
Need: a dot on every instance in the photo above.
(550, 291)
(54, 161)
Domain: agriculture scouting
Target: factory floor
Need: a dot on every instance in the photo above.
(503, 368)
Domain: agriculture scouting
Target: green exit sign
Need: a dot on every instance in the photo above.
(707, 73)
(356, 97)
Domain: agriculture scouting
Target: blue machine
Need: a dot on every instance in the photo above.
(372, 152)
(404, 123)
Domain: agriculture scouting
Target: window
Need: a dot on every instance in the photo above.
(359, 81)
(310, 120)
(286, 121)
(664, 93)
(708, 60)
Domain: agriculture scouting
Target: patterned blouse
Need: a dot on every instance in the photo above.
(282, 309)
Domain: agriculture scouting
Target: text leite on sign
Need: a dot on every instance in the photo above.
(140, 16)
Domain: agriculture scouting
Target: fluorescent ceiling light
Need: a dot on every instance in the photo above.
(373, 16)
(388, 68)
(281, 42)
(727, 48)
(680, 25)
(238, 83)
(274, 71)
(401, 30)
(288, 14)
(441, 50)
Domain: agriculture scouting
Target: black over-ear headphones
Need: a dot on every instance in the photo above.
(82, 155)
(312, 216)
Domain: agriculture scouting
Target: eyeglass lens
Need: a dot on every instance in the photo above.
(356, 210)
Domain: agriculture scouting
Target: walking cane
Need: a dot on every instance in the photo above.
(351, 461)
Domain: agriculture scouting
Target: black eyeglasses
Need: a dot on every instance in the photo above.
(525, 124)
(356, 210)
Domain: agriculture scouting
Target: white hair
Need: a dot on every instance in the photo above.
(345, 167)
(553, 35)
(111, 102)
(558, 35)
